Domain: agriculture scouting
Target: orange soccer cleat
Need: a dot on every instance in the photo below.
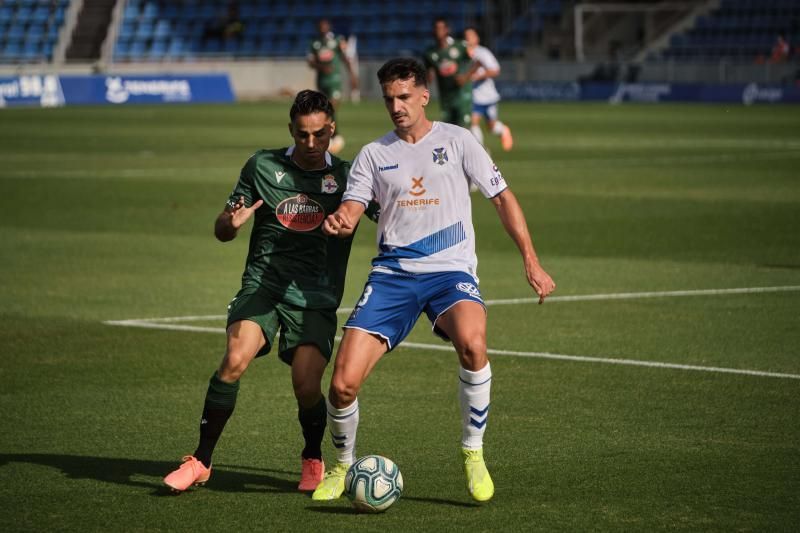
(506, 139)
(313, 471)
(191, 472)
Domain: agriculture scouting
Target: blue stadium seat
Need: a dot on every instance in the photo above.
(121, 50)
(150, 11)
(158, 49)
(137, 50)
(176, 48)
(162, 29)
(131, 12)
(144, 30)
(11, 51)
(41, 14)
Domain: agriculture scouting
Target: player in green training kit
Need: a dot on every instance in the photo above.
(327, 55)
(448, 60)
(292, 283)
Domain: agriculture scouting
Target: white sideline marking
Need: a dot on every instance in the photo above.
(635, 295)
(168, 323)
(608, 360)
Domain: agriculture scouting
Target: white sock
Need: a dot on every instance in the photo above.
(498, 127)
(477, 132)
(474, 391)
(343, 424)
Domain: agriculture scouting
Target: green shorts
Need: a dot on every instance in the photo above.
(457, 111)
(330, 87)
(297, 325)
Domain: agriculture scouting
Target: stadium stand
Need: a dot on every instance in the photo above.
(153, 30)
(188, 30)
(29, 29)
(738, 30)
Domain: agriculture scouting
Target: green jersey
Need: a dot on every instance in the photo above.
(448, 62)
(326, 51)
(289, 255)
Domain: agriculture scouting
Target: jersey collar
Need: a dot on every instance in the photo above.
(290, 151)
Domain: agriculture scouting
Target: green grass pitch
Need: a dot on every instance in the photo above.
(106, 214)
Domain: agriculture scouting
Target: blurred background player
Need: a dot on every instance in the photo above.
(448, 60)
(293, 282)
(327, 56)
(485, 98)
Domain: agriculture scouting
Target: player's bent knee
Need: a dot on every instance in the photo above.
(342, 394)
(308, 393)
(233, 367)
(472, 353)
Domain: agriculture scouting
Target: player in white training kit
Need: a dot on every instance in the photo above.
(485, 98)
(420, 175)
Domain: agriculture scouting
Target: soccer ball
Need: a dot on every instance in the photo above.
(373, 483)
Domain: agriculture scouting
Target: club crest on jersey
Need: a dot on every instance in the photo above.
(300, 213)
(469, 288)
(440, 156)
(329, 184)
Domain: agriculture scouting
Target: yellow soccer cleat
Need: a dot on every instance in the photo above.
(479, 482)
(332, 485)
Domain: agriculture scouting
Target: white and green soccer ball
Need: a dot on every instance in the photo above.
(373, 483)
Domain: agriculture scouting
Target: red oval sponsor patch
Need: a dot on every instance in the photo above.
(300, 213)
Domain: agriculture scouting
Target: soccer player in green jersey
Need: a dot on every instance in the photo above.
(327, 55)
(449, 62)
(292, 282)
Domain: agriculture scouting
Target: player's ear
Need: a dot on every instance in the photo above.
(333, 128)
(291, 130)
(426, 97)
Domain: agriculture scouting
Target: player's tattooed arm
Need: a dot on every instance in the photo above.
(232, 218)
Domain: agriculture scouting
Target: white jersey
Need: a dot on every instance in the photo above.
(484, 92)
(425, 223)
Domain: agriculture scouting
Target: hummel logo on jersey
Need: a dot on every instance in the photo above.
(279, 174)
(440, 156)
(417, 188)
(390, 167)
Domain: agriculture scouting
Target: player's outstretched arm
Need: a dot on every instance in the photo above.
(513, 220)
(232, 218)
(342, 222)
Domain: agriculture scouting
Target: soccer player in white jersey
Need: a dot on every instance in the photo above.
(420, 175)
(485, 98)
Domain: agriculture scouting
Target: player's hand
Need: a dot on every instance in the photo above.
(540, 280)
(241, 214)
(337, 225)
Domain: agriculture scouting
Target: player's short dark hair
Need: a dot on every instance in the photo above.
(308, 102)
(403, 68)
(441, 19)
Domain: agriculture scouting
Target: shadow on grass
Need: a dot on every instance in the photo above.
(133, 472)
(329, 508)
